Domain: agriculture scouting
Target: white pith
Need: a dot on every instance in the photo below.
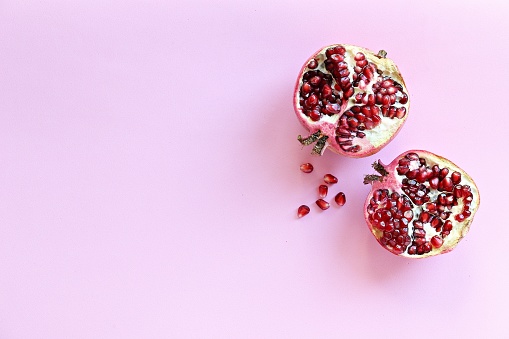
(374, 138)
(459, 229)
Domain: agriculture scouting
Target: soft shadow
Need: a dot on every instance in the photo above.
(356, 251)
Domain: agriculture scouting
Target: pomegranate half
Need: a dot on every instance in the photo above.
(420, 205)
(352, 100)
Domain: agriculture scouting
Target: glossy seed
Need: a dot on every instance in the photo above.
(340, 198)
(322, 204)
(330, 179)
(306, 168)
(322, 191)
(302, 211)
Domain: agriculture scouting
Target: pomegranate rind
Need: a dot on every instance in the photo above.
(375, 139)
(393, 182)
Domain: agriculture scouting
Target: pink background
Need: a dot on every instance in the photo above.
(149, 171)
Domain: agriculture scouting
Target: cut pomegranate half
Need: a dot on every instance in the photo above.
(420, 205)
(351, 100)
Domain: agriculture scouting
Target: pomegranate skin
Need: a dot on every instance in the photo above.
(437, 239)
(345, 128)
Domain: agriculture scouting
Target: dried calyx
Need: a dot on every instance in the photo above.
(352, 100)
(420, 205)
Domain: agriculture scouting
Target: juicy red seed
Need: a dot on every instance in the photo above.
(337, 57)
(446, 185)
(433, 183)
(387, 83)
(436, 241)
(312, 100)
(419, 241)
(447, 226)
(315, 80)
(443, 173)
(402, 170)
(412, 156)
(326, 91)
(313, 64)
(314, 115)
(403, 99)
(400, 112)
(340, 198)
(322, 191)
(458, 191)
(419, 233)
(426, 247)
(436, 222)
(330, 179)
(306, 88)
(359, 56)
(322, 204)
(456, 177)
(408, 214)
(302, 211)
(459, 217)
(424, 217)
(412, 174)
(306, 168)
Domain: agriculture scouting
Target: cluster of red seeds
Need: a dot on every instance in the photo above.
(392, 212)
(323, 190)
(325, 93)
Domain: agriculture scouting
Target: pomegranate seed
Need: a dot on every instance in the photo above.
(359, 56)
(458, 191)
(330, 179)
(419, 233)
(322, 204)
(446, 184)
(313, 64)
(314, 115)
(404, 99)
(322, 191)
(340, 198)
(400, 112)
(315, 80)
(302, 211)
(447, 226)
(456, 177)
(424, 217)
(312, 100)
(306, 168)
(436, 241)
(443, 173)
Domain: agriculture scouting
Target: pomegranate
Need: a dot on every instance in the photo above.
(420, 205)
(351, 100)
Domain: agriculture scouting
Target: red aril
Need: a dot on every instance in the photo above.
(351, 100)
(306, 168)
(323, 190)
(303, 210)
(340, 198)
(330, 179)
(420, 205)
(322, 204)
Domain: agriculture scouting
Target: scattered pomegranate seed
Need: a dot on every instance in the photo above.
(322, 204)
(322, 191)
(340, 198)
(306, 168)
(302, 211)
(330, 179)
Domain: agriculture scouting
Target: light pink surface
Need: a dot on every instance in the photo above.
(149, 171)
